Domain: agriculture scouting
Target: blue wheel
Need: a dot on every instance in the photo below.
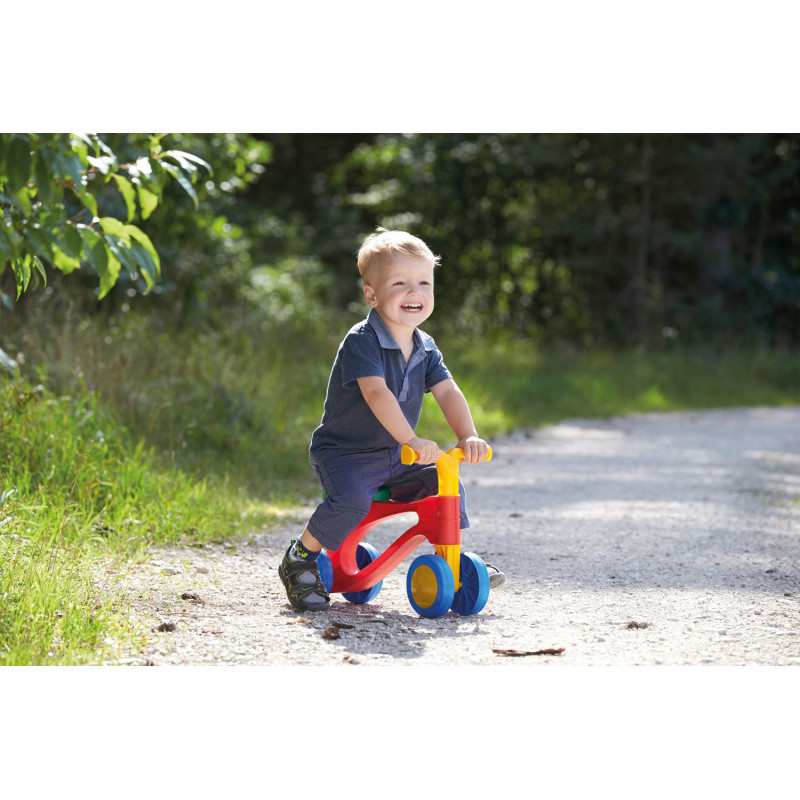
(325, 570)
(430, 586)
(365, 555)
(474, 591)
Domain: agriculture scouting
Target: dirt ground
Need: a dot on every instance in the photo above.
(661, 539)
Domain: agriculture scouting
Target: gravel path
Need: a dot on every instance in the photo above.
(662, 539)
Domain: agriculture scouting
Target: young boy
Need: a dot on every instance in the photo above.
(383, 368)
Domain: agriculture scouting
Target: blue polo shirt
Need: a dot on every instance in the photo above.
(348, 424)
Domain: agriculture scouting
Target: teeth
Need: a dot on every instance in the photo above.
(414, 306)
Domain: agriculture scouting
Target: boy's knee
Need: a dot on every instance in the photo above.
(336, 518)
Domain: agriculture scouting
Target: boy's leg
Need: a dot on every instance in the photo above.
(349, 483)
(309, 542)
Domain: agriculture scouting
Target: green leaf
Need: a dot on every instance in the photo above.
(113, 226)
(65, 263)
(185, 160)
(155, 142)
(147, 266)
(90, 238)
(79, 146)
(147, 200)
(70, 241)
(109, 279)
(128, 194)
(95, 251)
(69, 165)
(22, 200)
(115, 246)
(105, 263)
(87, 199)
(18, 162)
(140, 237)
(98, 255)
(121, 250)
(127, 235)
(40, 268)
(182, 180)
(84, 137)
(39, 241)
(103, 146)
(158, 172)
(69, 248)
(46, 189)
(10, 242)
(22, 274)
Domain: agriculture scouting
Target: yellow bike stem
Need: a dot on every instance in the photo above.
(447, 467)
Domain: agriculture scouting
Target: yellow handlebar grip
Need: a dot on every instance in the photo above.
(459, 453)
(407, 455)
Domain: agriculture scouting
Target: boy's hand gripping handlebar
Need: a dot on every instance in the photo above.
(446, 467)
(408, 456)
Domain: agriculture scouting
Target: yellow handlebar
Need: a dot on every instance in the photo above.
(446, 467)
(409, 456)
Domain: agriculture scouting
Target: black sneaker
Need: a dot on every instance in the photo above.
(289, 572)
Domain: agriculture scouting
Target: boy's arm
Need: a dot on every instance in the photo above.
(385, 407)
(456, 411)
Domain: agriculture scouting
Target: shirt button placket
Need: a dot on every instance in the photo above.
(404, 372)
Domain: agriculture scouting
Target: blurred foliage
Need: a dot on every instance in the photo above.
(54, 204)
(597, 240)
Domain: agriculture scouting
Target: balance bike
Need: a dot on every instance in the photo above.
(448, 579)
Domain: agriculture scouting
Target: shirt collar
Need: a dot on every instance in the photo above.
(387, 341)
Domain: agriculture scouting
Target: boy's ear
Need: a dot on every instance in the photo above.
(369, 294)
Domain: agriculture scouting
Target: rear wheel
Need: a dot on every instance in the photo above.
(474, 591)
(326, 570)
(365, 555)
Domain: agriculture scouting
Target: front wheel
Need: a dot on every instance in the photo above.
(474, 591)
(430, 586)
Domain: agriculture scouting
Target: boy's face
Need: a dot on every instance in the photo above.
(401, 291)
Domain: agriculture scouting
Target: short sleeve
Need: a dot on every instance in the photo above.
(360, 357)
(435, 370)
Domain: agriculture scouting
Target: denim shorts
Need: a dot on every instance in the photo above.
(350, 481)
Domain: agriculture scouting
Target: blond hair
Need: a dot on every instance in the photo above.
(382, 245)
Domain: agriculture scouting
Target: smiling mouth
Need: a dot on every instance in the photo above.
(413, 307)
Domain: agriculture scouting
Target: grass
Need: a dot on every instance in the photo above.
(80, 494)
(122, 436)
(51, 612)
(512, 385)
